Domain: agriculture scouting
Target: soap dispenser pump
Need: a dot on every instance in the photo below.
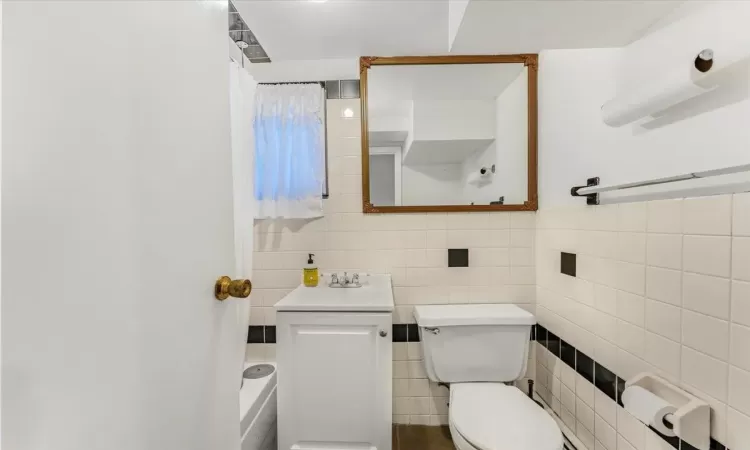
(310, 273)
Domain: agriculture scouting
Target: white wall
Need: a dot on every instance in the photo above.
(574, 143)
(509, 152)
(456, 11)
(491, 188)
(511, 140)
(305, 70)
(708, 132)
(383, 179)
(454, 119)
(432, 184)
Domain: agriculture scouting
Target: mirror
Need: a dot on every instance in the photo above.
(449, 133)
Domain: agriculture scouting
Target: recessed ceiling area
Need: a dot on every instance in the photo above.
(534, 25)
(309, 30)
(440, 81)
(301, 30)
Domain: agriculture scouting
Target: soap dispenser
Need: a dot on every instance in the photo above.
(310, 273)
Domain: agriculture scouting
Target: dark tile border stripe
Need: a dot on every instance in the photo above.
(259, 334)
(255, 335)
(604, 379)
(412, 332)
(399, 332)
(342, 89)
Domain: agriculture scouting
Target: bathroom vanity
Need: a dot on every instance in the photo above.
(334, 366)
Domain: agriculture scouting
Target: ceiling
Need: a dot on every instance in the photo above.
(311, 30)
(440, 82)
(294, 30)
(531, 26)
(453, 151)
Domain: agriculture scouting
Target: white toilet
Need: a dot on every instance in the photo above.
(476, 349)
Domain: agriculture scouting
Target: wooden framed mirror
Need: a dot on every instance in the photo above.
(449, 133)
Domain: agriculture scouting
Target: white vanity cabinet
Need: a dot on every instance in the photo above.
(334, 370)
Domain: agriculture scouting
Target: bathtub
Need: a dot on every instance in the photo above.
(258, 412)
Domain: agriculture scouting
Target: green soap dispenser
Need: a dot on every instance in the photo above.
(310, 272)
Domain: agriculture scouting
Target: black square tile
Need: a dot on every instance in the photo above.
(333, 89)
(532, 335)
(270, 334)
(684, 445)
(605, 381)
(620, 390)
(553, 343)
(568, 354)
(585, 366)
(349, 88)
(458, 257)
(412, 333)
(568, 263)
(541, 335)
(716, 445)
(399, 332)
(673, 440)
(255, 334)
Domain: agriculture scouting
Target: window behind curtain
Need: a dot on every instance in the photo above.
(289, 150)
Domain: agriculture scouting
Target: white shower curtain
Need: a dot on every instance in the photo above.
(289, 150)
(242, 101)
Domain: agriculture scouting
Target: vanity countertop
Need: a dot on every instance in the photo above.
(376, 295)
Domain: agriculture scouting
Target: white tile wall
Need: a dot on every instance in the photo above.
(673, 279)
(411, 247)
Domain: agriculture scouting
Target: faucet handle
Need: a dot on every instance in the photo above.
(334, 279)
(355, 278)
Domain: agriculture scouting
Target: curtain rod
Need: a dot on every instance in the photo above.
(322, 83)
(592, 189)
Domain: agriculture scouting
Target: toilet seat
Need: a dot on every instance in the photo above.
(493, 416)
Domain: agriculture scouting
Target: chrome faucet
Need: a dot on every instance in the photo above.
(344, 280)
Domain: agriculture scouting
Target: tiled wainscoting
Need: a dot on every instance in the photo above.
(661, 286)
(411, 247)
(587, 397)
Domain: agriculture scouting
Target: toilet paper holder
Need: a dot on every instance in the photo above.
(691, 421)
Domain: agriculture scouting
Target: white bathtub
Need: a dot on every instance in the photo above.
(258, 412)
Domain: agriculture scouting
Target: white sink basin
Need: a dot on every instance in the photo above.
(376, 295)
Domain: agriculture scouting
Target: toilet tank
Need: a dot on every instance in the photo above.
(474, 343)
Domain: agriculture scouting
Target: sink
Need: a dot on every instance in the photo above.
(375, 295)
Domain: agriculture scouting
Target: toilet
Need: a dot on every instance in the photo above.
(476, 350)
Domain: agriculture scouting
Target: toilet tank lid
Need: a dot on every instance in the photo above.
(447, 315)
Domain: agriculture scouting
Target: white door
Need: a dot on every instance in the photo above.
(117, 220)
(334, 380)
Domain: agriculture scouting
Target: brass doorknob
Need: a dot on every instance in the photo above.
(226, 287)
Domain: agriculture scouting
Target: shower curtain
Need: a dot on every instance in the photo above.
(242, 101)
(289, 150)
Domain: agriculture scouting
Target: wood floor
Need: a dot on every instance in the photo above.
(420, 437)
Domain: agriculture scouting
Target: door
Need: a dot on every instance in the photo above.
(117, 220)
(334, 380)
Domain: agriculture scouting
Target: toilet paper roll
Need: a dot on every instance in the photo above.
(648, 408)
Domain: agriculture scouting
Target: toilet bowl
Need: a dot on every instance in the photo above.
(476, 350)
(493, 416)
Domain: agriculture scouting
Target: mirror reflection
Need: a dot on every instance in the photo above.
(448, 134)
